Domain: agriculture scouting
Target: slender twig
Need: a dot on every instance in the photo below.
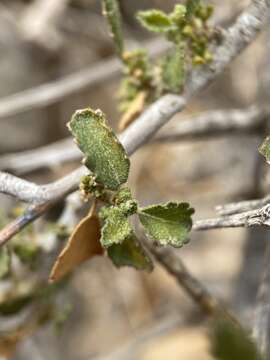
(237, 38)
(261, 323)
(48, 156)
(214, 123)
(241, 206)
(194, 288)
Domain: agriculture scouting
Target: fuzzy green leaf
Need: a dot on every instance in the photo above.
(116, 226)
(113, 15)
(178, 15)
(167, 224)
(173, 70)
(130, 253)
(155, 21)
(4, 262)
(192, 6)
(232, 343)
(104, 155)
(265, 149)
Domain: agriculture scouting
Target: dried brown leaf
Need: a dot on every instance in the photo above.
(83, 244)
(134, 110)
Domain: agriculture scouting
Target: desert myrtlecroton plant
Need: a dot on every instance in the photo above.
(109, 164)
(108, 228)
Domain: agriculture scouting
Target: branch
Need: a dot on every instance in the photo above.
(55, 91)
(214, 123)
(49, 156)
(207, 124)
(39, 18)
(196, 290)
(30, 192)
(261, 323)
(237, 207)
(239, 36)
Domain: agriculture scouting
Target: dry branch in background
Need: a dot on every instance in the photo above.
(196, 127)
(194, 288)
(51, 93)
(261, 324)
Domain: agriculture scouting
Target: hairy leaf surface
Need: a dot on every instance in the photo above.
(173, 70)
(130, 253)
(113, 15)
(155, 20)
(192, 6)
(104, 155)
(116, 228)
(167, 224)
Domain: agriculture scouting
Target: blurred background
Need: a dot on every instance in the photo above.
(125, 314)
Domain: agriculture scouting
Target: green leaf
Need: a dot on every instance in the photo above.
(265, 149)
(116, 226)
(155, 20)
(231, 343)
(167, 224)
(5, 260)
(192, 6)
(26, 250)
(130, 253)
(173, 70)
(113, 15)
(104, 155)
(178, 16)
(13, 306)
(124, 200)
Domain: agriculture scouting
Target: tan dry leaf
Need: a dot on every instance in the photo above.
(83, 244)
(135, 109)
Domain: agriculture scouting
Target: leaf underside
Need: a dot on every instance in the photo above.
(104, 155)
(167, 224)
(83, 244)
(130, 253)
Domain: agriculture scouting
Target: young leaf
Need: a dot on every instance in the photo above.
(232, 343)
(192, 6)
(155, 20)
(104, 155)
(83, 244)
(178, 16)
(4, 262)
(167, 224)
(265, 149)
(173, 70)
(116, 228)
(130, 253)
(113, 15)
